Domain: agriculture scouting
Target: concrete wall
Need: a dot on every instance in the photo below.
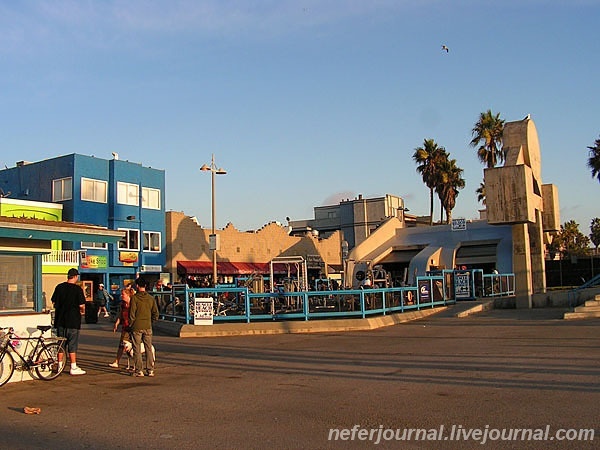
(188, 241)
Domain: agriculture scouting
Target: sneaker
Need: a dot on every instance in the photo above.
(106, 315)
(114, 365)
(151, 373)
(138, 374)
(77, 371)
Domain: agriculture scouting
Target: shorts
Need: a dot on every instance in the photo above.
(125, 336)
(72, 338)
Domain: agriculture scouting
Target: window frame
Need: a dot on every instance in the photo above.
(94, 245)
(147, 239)
(129, 232)
(146, 197)
(96, 183)
(63, 197)
(124, 193)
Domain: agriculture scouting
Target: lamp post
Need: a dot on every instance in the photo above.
(213, 242)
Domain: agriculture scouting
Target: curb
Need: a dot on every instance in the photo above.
(291, 327)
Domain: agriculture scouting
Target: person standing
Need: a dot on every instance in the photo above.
(123, 320)
(69, 303)
(102, 300)
(142, 312)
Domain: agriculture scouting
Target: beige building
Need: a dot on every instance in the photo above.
(243, 253)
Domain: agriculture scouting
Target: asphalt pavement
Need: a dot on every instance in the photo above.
(496, 370)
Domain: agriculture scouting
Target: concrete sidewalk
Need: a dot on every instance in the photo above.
(499, 368)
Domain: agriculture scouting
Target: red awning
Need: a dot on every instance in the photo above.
(232, 268)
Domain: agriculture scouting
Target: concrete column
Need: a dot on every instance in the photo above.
(522, 266)
(538, 264)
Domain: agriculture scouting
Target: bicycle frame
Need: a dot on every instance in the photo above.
(46, 358)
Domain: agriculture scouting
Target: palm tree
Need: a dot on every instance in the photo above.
(449, 182)
(594, 159)
(487, 134)
(480, 191)
(428, 158)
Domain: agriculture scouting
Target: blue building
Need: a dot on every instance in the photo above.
(116, 194)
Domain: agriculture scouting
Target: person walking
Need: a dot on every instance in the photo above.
(69, 303)
(123, 320)
(102, 300)
(142, 312)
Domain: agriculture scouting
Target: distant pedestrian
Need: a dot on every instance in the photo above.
(123, 320)
(143, 311)
(102, 300)
(69, 304)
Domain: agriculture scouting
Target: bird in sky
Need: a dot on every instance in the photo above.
(444, 48)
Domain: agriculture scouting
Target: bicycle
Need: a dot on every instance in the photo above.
(46, 359)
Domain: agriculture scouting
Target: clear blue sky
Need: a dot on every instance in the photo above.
(303, 102)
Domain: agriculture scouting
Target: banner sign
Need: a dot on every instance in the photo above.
(459, 224)
(462, 285)
(203, 311)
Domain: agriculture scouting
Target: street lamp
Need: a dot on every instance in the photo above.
(213, 242)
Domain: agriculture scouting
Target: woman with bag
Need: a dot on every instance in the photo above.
(123, 320)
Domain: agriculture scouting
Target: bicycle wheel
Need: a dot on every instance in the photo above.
(7, 367)
(50, 361)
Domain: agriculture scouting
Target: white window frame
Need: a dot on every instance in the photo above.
(124, 244)
(96, 184)
(147, 239)
(95, 245)
(150, 198)
(128, 193)
(64, 195)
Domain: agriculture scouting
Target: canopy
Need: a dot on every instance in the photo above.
(232, 268)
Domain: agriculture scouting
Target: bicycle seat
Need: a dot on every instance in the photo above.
(44, 328)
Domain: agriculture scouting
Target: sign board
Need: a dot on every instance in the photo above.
(462, 285)
(424, 291)
(314, 262)
(459, 224)
(150, 268)
(203, 311)
(214, 242)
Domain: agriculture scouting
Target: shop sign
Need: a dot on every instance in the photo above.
(462, 285)
(128, 258)
(94, 262)
(203, 311)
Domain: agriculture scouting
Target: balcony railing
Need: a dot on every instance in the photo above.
(62, 257)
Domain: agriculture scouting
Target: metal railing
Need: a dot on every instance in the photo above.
(240, 305)
(61, 257)
(574, 297)
(498, 285)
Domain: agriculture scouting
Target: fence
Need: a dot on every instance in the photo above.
(239, 304)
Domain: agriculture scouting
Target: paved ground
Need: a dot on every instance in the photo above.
(501, 369)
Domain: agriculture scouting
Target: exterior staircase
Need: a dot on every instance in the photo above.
(590, 309)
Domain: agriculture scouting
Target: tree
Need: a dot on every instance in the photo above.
(569, 241)
(594, 160)
(480, 191)
(595, 235)
(487, 134)
(450, 180)
(429, 157)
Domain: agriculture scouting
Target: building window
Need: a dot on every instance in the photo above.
(16, 282)
(62, 189)
(150, 198)
(332, 214)
(128, 194)
(151, 241)
(131, 240)
(93, 190)
(101, 245)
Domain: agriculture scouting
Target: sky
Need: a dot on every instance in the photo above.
(303, 103)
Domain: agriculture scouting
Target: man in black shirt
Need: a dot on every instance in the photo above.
(69, 303)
